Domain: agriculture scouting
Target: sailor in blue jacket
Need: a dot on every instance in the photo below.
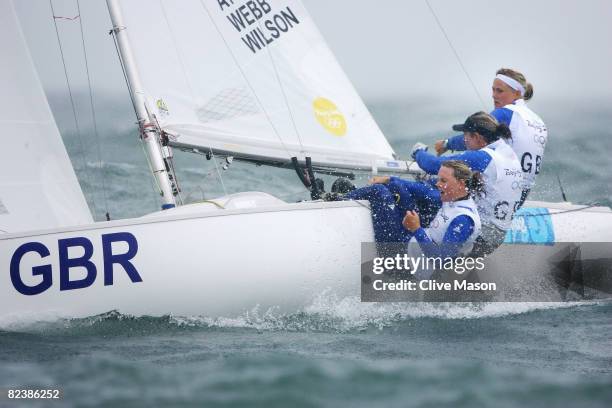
(529, 133)
(401, 209)
(490, 155)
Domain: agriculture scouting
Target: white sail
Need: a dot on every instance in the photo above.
(252, 78)
(38, 187)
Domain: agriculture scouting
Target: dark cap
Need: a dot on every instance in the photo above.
(480, 122)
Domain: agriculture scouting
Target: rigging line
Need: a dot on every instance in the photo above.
(246, 79)
(93, 113)
(179, 56)
(170, 162)
(282, 88)
(210, 173)
(456, 53)
(176, 49)
(560, 212)
(125, 77)
(76, 121)
(561, 187)
(218, 172)
(362, 204)
(207, 175)
(153, 180)
(219, 206)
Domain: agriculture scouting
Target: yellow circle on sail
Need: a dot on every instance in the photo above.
(329, 116)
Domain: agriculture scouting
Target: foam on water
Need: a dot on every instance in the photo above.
(327, 313)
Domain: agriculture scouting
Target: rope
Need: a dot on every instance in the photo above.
(153, 179)
(207, 175)
(170, 162)
(76, 122)
(526, 215)
(218, 172)
(456, 53)
(561, 188)
(93, 114)
(210, 202)
(560, 212)
(127, 82)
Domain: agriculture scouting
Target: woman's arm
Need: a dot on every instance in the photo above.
(478, 160)
(457, 142)
(458, 232)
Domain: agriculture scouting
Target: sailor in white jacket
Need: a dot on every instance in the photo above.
(529, 133)
(456, 225)
(490, 155)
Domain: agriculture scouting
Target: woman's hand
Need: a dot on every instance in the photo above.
(379, 180)
(411, 221)
(440, 146)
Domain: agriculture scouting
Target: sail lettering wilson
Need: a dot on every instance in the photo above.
(245, 18)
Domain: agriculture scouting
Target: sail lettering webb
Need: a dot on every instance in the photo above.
(266, 31)
(252, 78)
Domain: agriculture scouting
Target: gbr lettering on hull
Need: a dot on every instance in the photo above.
(66, 263)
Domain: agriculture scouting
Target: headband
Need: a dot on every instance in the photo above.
(512, 83)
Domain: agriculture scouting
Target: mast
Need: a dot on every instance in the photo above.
(149, 130)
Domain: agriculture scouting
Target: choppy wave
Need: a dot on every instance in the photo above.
(326, 314)
(334, 352)
(276, 379)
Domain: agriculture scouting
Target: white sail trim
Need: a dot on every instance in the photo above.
(254, 77)
(38, 187)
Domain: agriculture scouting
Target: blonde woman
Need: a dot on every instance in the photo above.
(511, 91)
(402, 210)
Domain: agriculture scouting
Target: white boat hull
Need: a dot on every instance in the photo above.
(214, 262)
(209, 263)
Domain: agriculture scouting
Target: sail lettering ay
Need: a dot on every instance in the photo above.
(258, 22)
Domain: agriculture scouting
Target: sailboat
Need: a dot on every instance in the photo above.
(244, 80)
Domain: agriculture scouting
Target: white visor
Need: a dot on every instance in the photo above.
(512, 83)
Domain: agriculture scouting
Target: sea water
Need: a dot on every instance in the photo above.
(335, 352)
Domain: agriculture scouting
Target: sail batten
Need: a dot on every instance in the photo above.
(253, 74)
